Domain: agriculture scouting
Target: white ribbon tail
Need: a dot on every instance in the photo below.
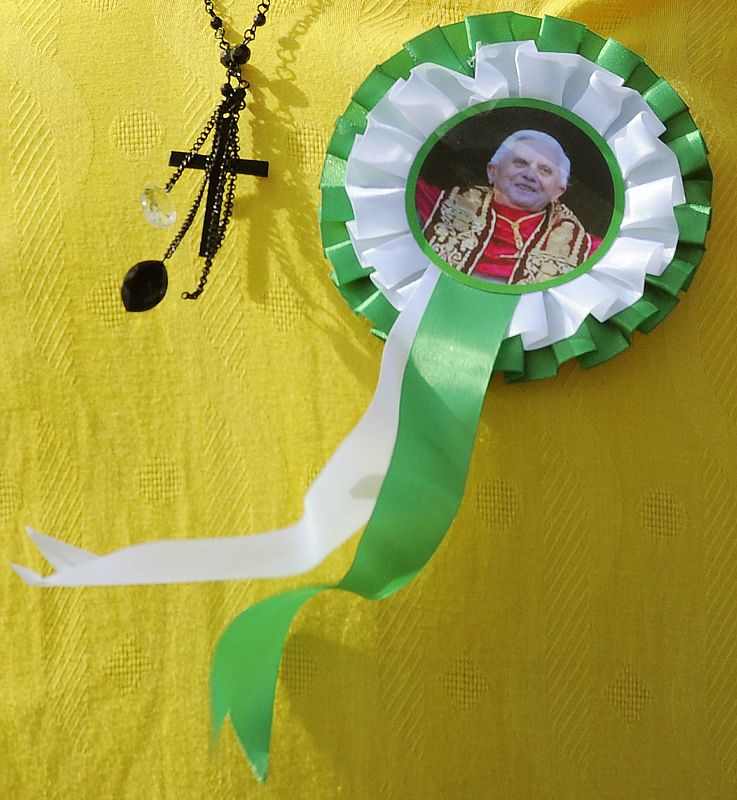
(59, 554)
(338, 503)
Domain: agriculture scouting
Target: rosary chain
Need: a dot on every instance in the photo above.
(232, 57)
(249, 35)
(196, 147)
(202, 281)
(198, 200)
(189, 219)
(262, 10)
(216, 239)
(225, 192)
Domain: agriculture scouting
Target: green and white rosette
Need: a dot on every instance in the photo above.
(660, 171)
(401, 472)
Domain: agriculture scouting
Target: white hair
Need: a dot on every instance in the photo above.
(564, 163)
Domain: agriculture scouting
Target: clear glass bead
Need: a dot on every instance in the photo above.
(158, 206)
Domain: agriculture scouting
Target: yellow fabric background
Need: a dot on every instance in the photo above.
(575, 635)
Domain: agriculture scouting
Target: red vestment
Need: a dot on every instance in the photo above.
(502, 252)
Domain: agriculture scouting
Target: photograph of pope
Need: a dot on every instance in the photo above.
(515, 229)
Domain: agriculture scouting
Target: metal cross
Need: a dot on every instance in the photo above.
(219, 164)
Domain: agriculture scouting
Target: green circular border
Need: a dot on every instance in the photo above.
(542, 105)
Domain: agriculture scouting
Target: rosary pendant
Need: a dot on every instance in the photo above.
(145, 284)
(158, 206)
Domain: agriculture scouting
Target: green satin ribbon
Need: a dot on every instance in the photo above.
(373, 88)
(433, 46)
(560, 35)
(443, 389)
(618, 59)
(334, 196)
(664, 100)
(485, 28)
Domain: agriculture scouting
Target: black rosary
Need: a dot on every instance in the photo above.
(145, 284)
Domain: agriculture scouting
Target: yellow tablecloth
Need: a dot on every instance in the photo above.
(575, 635)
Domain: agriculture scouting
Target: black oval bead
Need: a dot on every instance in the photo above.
(226, 58)
(216, 23)
(144, 285)
(241, 54)
(226, 90)
(260, 19)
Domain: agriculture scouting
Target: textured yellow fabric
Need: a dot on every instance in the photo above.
(575, 635)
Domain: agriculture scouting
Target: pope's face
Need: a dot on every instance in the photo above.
(527, 177)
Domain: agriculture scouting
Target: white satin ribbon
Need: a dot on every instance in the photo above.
(339, 502)
(342, 498)
(432, 94)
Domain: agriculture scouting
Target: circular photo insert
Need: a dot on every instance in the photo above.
(515, 194)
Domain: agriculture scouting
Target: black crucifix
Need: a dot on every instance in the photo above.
(219, 165)
(146, 282)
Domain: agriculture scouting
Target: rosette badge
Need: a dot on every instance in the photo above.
(410, 190)
(504, 194)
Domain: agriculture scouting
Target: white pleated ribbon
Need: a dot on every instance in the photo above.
(432, 95)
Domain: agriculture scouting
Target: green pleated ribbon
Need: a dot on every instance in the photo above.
(445, 380)
(453, 46)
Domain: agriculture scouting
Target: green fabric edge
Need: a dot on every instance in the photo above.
(458, 40)
(594, 342)
(344, 134)
(618, 59)
(664, 100)
(373, 88)
(433, 46)
(489, 28)
(525, 27)
(560, 35)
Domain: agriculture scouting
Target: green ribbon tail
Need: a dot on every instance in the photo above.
(445, 381)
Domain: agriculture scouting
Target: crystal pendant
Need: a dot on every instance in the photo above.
(158, 206)
(144, 285)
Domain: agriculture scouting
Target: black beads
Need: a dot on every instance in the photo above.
(144, 285)
(216, 23)
(235, 57)
(226, 90)
(259, 20)
(241, 54)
